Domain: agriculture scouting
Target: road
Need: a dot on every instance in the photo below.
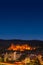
(17, 63)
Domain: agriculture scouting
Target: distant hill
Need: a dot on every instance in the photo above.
(7, 43)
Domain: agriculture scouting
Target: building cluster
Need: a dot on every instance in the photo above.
(18, 56)
(15, 57)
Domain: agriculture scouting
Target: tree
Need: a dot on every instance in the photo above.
(37, 62)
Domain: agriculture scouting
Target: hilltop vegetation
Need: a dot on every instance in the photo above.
(7, 43)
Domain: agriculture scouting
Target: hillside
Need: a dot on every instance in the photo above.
(7, 43)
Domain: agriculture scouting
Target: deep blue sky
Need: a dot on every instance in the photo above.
(21, 19)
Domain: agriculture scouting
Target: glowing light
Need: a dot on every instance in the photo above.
(20, 47)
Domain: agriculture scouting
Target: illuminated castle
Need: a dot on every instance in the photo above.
(20, 47)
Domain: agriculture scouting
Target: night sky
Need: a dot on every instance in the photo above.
(21, 20)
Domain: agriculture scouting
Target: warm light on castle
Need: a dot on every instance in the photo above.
(20, 47)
